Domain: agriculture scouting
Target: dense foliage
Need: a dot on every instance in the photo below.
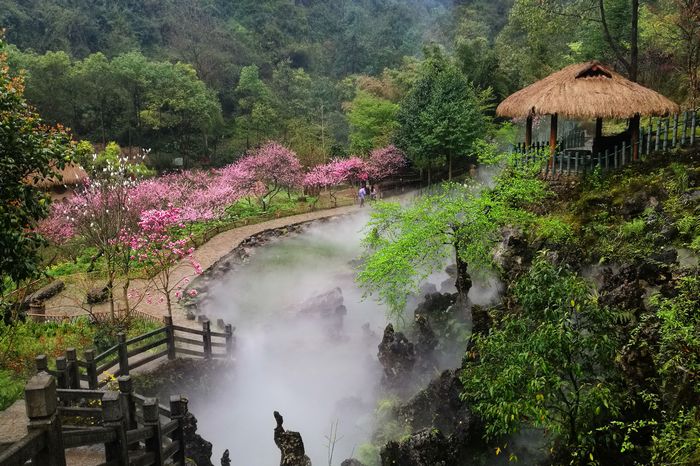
(30, 152)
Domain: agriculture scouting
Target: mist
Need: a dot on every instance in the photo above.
(291, 362)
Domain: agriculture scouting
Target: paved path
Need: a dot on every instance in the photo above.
(207, 255)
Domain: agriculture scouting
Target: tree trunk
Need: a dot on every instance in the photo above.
(449, 167)
(634, 43)
(167, 300)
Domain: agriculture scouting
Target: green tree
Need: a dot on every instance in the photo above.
(372, 122)
(547, 364)
(29, 151)
(255, 106)
(406, 244)
(441, 117)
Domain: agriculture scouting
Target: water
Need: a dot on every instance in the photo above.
(290, 364)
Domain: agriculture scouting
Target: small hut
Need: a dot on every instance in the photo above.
(587, 91)
(63, 182)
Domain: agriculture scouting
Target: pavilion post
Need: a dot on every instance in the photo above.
(634, 127)
(553, 138)
(528, 133)
(598, 128)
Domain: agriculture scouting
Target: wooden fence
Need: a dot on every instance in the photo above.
(135, 431)
(661, 134)
(167, 342)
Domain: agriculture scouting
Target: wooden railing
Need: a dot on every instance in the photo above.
(166, 342)
(133, 429)
(661, 134)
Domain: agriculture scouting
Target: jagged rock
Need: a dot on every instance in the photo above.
(622, 290)
(514, 255)
(195, 446)
(634, 205)
(225, 460)
(481, 320)
(368, 334)
(44, 293)
(326, 306)
(439, 406)
(428, 447)
(97, 295)
(426, 342)
(351, 462)
(397, 355)
(435, 306)
(290, 444)
(637, 356)
(190, 315)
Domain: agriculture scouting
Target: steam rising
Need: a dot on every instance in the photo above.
(293, 364)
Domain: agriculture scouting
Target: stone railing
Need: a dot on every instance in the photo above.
(133, 429)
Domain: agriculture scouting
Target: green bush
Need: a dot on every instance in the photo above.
(11, 388)
(678, 443)
(554, 230)
(633, 228)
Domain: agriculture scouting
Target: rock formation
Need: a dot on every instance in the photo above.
(290, 444)
(397, 355)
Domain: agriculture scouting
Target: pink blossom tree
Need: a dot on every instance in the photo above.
(267, 171)
(385, 162)
(160, 253)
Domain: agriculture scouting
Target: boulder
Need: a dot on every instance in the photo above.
(351, 462)
(329, 308)
(428, 447)
(397, 355)
(439, 406)
(97, 295)
(44, 293)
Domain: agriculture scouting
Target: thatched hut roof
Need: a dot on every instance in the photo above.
(586, 91)
(71, 174)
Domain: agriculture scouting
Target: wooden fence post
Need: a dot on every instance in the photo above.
(126, 391)
(113, 419)
(229, 340)
(674, 139)
(73, 369)
(658, 134)
(206, 328)
(42, 363)
(151, 418)
(91, 369)
(178, 409)
(123, 354)
(666, 120)
(61, 372)
(170, 334)
(692, 127)
(684, 128)
(649, 133)
(41, 400)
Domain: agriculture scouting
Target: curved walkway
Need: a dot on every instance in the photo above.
(223, 243)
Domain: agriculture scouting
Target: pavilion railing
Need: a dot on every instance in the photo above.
(658, 135)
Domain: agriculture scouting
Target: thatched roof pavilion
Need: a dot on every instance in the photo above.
(72, 174)
(585, 91)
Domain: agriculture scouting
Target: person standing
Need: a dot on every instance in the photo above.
(361, 194)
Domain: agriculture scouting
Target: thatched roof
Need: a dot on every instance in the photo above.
(70, 175)
(586, 91)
